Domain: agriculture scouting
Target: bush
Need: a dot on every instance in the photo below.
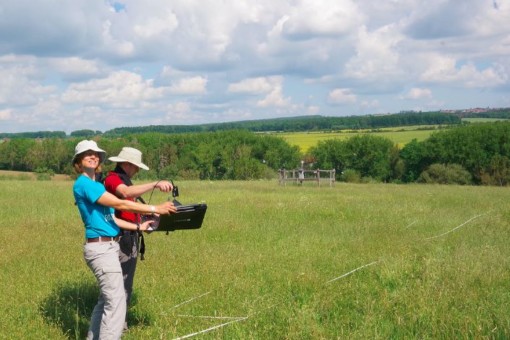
(445, 174)
(44, 174)
(351, 176)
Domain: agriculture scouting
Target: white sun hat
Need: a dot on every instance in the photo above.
(130, 155)
(86, 145)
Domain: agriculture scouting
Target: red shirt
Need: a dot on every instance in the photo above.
(111, 182)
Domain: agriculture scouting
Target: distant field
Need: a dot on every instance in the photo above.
(22, 175)
(482, 120)
(399, 136)
(352, 261)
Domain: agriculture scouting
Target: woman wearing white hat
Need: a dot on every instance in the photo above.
(101, 250)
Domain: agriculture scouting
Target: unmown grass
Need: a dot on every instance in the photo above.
(351, 261)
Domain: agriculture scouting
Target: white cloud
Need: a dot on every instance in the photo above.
(119, 47)
(21, 83)
(193, 85)
(179, 112)
(243, 59)
(119, 89)
(418, 93)
(376, 55)
(443, 69)
(274, 99)
(370, 104)
(271, 87)
(74, 67)
(341, 96)
(310, 18)
(5, 114)
(313, 110)
(258, 85)
(164, 22)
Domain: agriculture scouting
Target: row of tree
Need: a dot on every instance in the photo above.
(219, 155)
(302, 123)
(475, 153)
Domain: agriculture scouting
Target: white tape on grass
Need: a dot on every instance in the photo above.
(352, 271)
(211, 317)
(211, 328)
(188, 301)
(410, 224)
(457, 227)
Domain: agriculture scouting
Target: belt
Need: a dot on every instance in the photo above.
(103, 239)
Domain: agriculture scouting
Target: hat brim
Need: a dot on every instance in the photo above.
(122, 160)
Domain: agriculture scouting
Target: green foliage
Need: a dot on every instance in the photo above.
(472, 146)
(350, 176)
(14, 154)
(482, 149)
(85, 133)
(368, 155)
(33, 135)
(233, 154)
(498, 171)
(44, 174)
(445, 174)
(413, 157)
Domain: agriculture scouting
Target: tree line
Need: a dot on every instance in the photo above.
(467, 154)
(221, 155)
(292, 124)
(304, 123)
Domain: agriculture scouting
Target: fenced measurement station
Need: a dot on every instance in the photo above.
(300, 176)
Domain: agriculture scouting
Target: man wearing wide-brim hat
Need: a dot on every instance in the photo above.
(118, 182)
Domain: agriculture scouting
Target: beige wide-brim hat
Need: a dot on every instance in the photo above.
(130, 155)
(86, 145)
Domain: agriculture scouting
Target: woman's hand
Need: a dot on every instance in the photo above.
(166, 208)
(146, 226)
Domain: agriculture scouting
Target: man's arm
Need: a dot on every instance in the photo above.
(132, 191)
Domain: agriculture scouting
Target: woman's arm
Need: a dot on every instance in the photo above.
(132, 226)
(110, 200)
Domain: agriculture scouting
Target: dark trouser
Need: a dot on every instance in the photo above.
(128, 255)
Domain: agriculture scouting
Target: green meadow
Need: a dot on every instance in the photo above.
(351, 261)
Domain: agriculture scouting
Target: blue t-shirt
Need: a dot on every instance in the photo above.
(98, 219)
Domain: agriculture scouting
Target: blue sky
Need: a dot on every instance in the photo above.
(88, 64)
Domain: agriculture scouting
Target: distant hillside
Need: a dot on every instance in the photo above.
(304, 123)
(293, 124)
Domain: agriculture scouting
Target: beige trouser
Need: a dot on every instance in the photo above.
(108, 316)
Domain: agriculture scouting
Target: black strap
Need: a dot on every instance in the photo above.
(141, 243)
(127, 181)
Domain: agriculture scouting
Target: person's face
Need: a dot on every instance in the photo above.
(131, 169)
(90, 159)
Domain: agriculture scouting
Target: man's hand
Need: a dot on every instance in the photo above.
(164, 186)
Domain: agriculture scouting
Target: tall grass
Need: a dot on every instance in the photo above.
(272, 262)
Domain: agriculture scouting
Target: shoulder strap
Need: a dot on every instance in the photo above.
(127, 181)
